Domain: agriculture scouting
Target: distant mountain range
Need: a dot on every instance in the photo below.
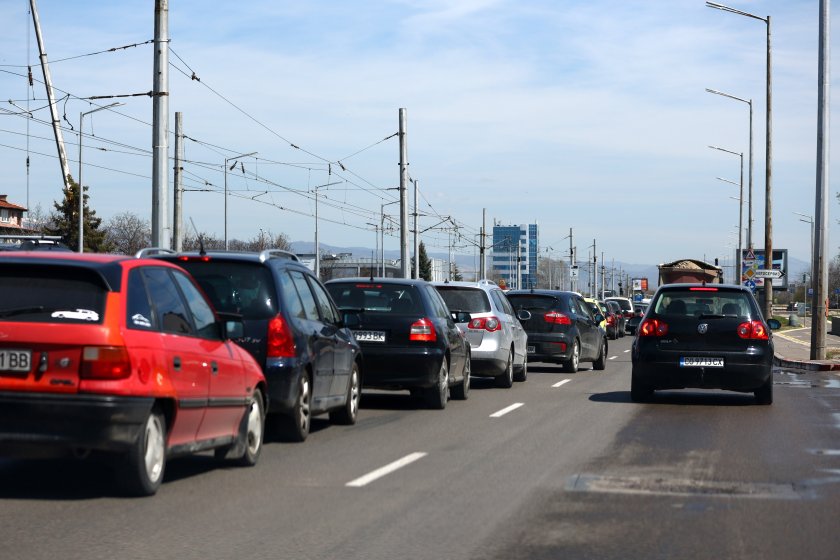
(468, 263)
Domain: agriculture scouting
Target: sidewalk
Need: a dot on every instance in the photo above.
(793, 350)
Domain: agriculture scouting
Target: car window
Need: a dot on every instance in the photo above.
(237, 287)
(328, 313)
(697, 303)
(471, 300)
(202, 313)
(291, 299)
(51, 294)
(536, 302)
(138, 308)
(501, 302)
(439, 306)
(582, 308)
(167, 303)
(373, 297)
(310, 306)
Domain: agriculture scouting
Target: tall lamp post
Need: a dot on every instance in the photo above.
(81, 188)
(768, 161)
(234, 158)
(810, 221)
(738, 263)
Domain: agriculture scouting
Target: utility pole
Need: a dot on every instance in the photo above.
(768, 199)
(482, 261)
(160, 127)
(403, 197)
(518, 266)
(416, 234)
(571, 261)
(819, 273)
(178, 214)
(56, 123)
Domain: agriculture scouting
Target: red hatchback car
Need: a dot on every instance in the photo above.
(123, 355)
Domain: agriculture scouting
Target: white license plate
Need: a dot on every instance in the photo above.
(531, 349)
(15, 360)
(701, 362)
(369, 336)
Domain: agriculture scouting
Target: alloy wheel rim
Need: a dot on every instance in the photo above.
(354, 393)
(304, 404)
(254, 427)
(153, 456)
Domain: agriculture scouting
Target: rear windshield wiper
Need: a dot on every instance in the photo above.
(21, 310)
(713, 316)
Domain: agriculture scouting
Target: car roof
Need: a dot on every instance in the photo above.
(480, 285)
(553, 293)
(231, 256)
(687, 285)
(375, 280)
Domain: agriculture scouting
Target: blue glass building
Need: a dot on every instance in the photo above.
(504, 255)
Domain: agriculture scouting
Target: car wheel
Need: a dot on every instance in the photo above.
(522, 373)
(295, 426)
(461, 391)
(571, 365)
(505, 380)
(764, 394)
(639, 391)
(347, 414)
(601, 362)
(437, 396)
(142, 473)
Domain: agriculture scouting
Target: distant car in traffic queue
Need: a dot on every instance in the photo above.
(408, 336)
(616, 323)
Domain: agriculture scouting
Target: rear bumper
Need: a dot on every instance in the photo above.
(741, 372)
(401, 367)
(556, 347)
(282, 375)
(97, 422)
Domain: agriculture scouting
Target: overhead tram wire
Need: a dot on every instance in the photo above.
(112, 49)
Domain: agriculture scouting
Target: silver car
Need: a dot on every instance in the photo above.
(497, 340)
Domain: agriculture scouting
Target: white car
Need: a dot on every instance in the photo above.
(498, 343)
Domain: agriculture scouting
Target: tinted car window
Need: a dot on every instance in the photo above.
(291, 299)
(138, 309)
(324, 304)
(51, 294)
(202, 313)
(377, 298)
(697, 303)
(310, 306)
(439, 306)
(236, 287)
(535, 302)
(170, 308)
(464, 299)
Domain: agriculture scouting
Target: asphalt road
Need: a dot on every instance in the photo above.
(575, 471)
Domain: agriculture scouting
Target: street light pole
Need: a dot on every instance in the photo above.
(810, 221)
(750, 204)
(81, 188)
(739, 261)
(226, 189)
(768, 162)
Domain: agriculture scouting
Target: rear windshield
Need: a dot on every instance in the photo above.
(394, 299)
(534, 302)
(623, 304)
(471, 300)
(51, 294)
(236, 287)
(697, 303)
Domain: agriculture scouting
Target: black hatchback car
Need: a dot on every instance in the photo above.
(409, 338)
(311, 361)
(562, 328)
(710, 336)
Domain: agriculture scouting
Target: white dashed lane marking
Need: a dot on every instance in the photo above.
(387, 469)
(561, 383)
(613, 357)
(505, 410)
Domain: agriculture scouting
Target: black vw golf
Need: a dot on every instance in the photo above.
(709, 336)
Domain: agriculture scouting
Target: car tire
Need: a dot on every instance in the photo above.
(601, 362)
(521, 374)
(145, 463)
(639, 391)
(461, 391)
(764, 394)
(294, 427)
(348, 413)
(505, 380)
(571, 365)
(437, 395)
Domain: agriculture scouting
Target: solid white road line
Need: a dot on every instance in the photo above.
(561, 383)
(504, 411)
(387, 469)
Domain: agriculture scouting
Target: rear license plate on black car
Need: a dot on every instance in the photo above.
(531, 349)
(369, 336)
(701, 362)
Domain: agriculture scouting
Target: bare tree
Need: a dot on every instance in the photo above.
(37, 219)
(127, 233)
(264, 240)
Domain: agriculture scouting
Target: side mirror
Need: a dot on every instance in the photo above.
(774, 324)
(598, 317)
(523, 315)
(232, 325)
(461, 317)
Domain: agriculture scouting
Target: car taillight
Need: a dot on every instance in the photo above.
(422, 330)
(203, 258)
(611, 319)
(281, 343)
(105, 362)
(485, 323)
(557, 318)
(753, 330)
(653, 327)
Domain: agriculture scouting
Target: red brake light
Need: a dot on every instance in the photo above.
(703, 289)
(281, 343)
(753, 330)
(105, 362)
(557, 318)
(203, 258)
(610, 319)
(422, 330)
(653, 327)
(489, 324)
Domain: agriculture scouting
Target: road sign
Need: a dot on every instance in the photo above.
(574, 272)
(750, 284)
(769, 273)
(750, 256)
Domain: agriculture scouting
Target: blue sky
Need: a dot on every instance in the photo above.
(583, 114)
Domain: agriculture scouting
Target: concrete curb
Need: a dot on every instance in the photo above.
(807, 365)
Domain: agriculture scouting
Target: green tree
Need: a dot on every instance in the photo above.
(425, 264)
(64, 222)
(456, 274)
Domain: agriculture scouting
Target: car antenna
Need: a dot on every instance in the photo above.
(200, 237)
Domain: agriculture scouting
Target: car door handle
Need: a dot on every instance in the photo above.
(176, 363)
(214, 368)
